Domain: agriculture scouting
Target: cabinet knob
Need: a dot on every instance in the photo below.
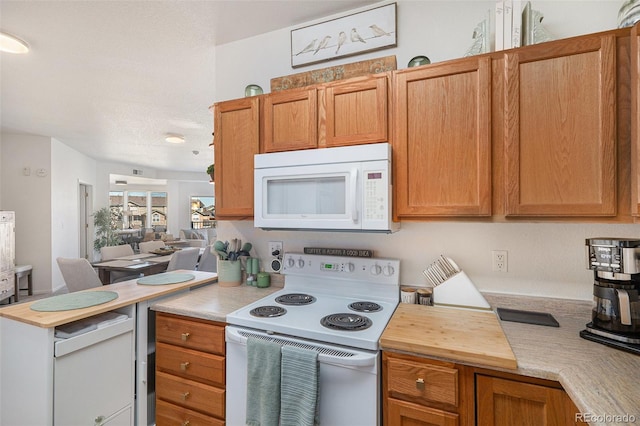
(184, 365)
(186, 423)
(185, 336)
(185, 395)
(420, 384)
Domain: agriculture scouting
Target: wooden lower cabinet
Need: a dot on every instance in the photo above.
(419, 391)
(501, 401)
(190, 371)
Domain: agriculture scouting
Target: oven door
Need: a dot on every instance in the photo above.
(348, 380)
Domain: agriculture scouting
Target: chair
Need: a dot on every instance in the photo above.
(23, 271)
(148, 246)
(113, 252)
(184, 259)
(197, 243)
(78, 274)
(208, 261)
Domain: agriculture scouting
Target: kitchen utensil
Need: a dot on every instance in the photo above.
(440, 270)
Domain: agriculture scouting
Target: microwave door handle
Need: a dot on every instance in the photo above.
(354, 190)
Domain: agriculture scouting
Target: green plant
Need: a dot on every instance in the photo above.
(105, 221)
(210, 170)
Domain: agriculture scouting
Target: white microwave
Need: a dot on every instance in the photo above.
(341, 189)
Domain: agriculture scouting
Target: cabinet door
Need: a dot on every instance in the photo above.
(356, 111)
(635, 120)
(237, 130)
(508, 402)
(560, 128)
(442, 144)
(290, 120)
(403, 413)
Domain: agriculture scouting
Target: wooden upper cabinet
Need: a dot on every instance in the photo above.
(635, 120)
(442, 144)
(290, 120)
(237, 130)
(356, 111)
(560, 128)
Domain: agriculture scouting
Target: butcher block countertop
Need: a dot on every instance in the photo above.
(213, 302)
(463, 335)
(600, 380)
(129, 292)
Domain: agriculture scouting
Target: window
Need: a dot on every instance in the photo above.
(140, 205)
(203, 212)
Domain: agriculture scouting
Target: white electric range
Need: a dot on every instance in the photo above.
(338, 306)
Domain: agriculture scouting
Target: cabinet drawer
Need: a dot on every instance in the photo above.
(422, 382)
(7, 286)
(170, 414)
(190, 394)
(405, 413)
(189, 333)
(190, 364)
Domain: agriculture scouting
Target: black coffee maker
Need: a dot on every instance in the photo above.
(615, 316)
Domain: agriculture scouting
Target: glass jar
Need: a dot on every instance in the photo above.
(252, 90)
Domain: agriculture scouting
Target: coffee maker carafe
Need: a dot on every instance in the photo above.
(615, 315)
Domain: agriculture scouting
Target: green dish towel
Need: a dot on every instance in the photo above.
(263, 382)
(299, 387)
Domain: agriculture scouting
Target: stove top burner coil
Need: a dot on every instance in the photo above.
(268, 311)
(365, 307)
(295, 299)
(346, 322)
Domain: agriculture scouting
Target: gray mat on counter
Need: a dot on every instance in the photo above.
(71, 301)
(166, 278)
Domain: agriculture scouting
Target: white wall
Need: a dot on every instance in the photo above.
(30, 197)
(69, 168)
(544, 259)
(441, 30)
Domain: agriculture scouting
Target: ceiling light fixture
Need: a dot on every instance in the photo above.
(12, 44)
(173, 138)
(121, 182)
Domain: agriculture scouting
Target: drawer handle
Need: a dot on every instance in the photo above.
(185, 336)
(185, 395)
(184, 365)
(420, 384)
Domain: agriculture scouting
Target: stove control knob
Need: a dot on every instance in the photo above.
(350, 267)
(291, 263)
(376, 270)
(388, 270)
(300, 263)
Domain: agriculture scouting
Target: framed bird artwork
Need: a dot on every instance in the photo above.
(353, 34)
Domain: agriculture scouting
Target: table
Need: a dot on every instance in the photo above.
(132, 266)
(127, 235)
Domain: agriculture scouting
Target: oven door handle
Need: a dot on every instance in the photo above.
(326, 354)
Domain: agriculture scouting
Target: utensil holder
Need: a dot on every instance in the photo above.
(229, 273)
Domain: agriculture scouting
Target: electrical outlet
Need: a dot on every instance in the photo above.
(499, 260)
(275, 249)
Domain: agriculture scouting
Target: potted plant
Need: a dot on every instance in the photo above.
(210, 171)
(104, 221)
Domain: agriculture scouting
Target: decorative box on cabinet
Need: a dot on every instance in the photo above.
(560, 128)
(442, 143)
(190, 371)
(237, 130)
